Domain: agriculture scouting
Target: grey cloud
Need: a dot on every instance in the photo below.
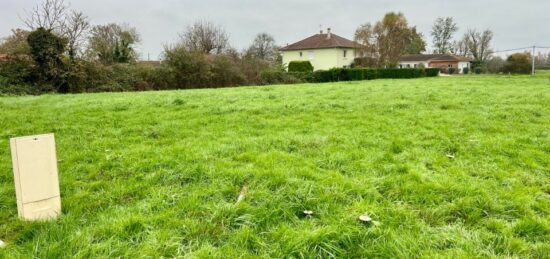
(515, 23)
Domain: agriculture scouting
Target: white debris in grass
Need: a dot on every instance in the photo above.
(2, 244)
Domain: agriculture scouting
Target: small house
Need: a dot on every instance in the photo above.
(435, 61)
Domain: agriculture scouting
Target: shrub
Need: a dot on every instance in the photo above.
(465, 70)
(322, 76)
(451, 70)
(518, 63)
(281, 77)
(477, 70)
(401, 73)
(432, 72)
(300, 66)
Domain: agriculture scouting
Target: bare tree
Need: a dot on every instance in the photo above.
(442, 32)
(460, 48)
(263, 47)
(205, 37)
(76, 31)
(50, 15)
(479, 43)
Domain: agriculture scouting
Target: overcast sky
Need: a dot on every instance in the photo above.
(514, 23)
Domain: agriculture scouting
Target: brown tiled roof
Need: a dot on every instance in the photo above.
(433, 57)
(322, 41)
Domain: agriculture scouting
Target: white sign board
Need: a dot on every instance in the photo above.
(36, 180)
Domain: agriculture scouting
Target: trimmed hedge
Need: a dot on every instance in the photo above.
(345, 74)
(300, 66)
(353, 74)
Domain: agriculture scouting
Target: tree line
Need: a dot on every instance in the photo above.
(60, 50)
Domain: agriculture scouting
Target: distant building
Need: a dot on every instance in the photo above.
(435, 61)
(323, 50)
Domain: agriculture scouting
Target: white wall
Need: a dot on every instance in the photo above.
(411, 64)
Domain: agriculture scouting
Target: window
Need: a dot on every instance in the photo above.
(311, 55)
(408, 65)
(415, 65)
(450, 65)
(301, 54)
(345, 53)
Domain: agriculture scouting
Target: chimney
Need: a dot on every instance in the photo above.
(329, 34)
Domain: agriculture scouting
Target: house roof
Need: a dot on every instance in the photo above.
(433, 58)
(322, 41)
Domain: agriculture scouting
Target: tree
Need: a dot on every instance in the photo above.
(50, 15)
(416, 44)
(459, 48)
(46, 50)
(15, 44)
(76, 30)
(113, 43)
(518, 63)
(479, 44)
(495, 64)
(388, 39)
(442, 32)
(263, 47)
(55, 15)
(205, 37)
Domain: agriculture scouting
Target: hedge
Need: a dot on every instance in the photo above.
(352, 74)
(300, 66)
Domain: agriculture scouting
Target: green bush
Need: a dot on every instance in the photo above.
(477, 70)
(432, 72)
(451, 70)
(518, 63)
(465, 70)
(300, 66)
(281, 77)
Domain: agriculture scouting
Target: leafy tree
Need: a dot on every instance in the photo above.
(442, 33)
(15, 44)
(416, 44)
(46, 50)
(205, 37)
(388, 39)
(113, 43)
(518, 63)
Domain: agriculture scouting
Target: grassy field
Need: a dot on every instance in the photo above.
(449, 167)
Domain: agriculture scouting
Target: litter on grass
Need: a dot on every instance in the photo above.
(242, 194)
(2, 244)
(308, 213)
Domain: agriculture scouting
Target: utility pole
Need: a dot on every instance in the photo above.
(533, 58)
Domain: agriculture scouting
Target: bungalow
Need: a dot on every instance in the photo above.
(435, 61)
(323, 50)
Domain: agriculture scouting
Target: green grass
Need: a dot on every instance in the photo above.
(158, 173)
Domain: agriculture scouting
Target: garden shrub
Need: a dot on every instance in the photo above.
(431, 72)
(451, 70)
(300, 66)
(465, 70)
(477, 70)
